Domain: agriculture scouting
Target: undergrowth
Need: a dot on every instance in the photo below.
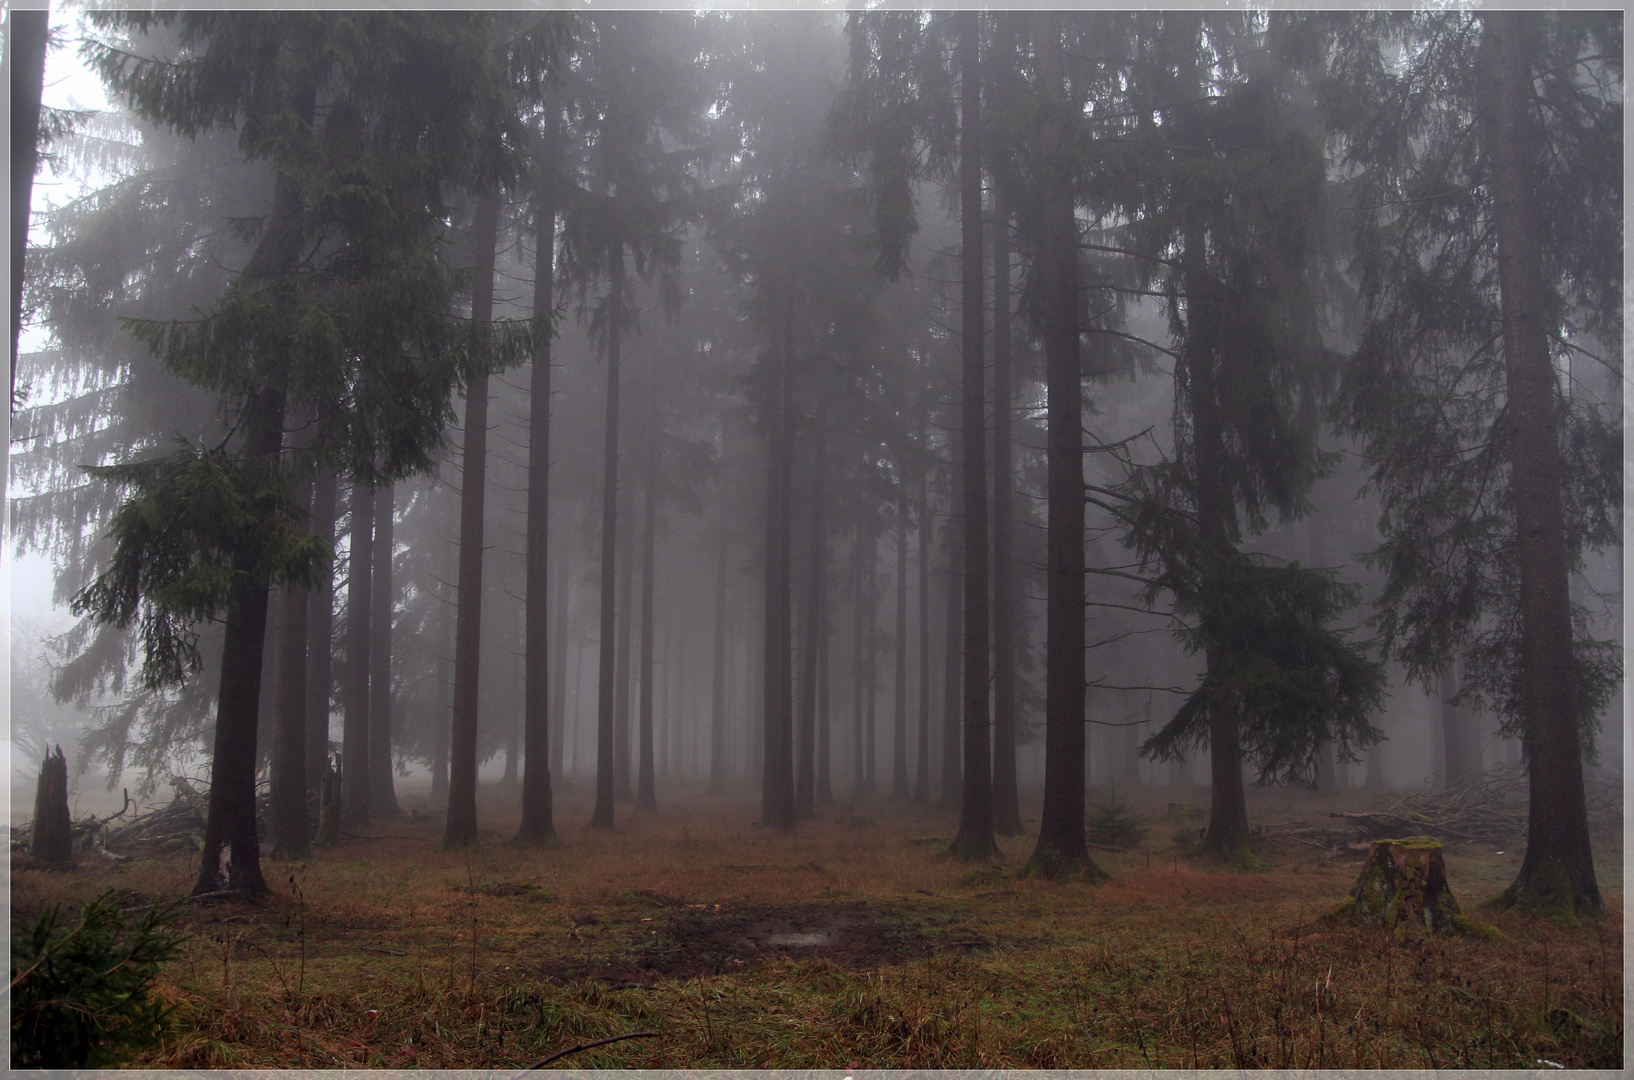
(398, 955)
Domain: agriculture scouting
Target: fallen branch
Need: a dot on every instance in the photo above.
(542, 1062)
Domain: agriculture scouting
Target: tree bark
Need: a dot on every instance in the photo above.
(646, 791)
(289, 830)
(717, 696)
(354, 739)
(953, 542)
(557, 727)
(461, 827)
(859, 601)
(540, 754)
(825, 779)
(899, 700)
(622, 789)
(53, 834)
(232, 852)
(805, 779)
(777, 806)
(606, 792)
(1558, 869)
(1006, 798)
(26, 36)
(921, 786)
(975, 838)
(382, 790)
(1062, 846)
(320, 636)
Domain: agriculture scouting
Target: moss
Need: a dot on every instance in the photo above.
(1464, 926)
(1544, 890)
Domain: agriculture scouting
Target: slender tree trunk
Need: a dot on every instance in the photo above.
(1462, 745)
(288, 828)
(975, 837)
(557, 727)
(320, 634)
(921, 787)
(232, 851)
(269, 661)
(717, 695)
(952, 705)
(446, 617)
(606, 792)
(1228, 835)
(461, 829)
(870, 738)
(625, 660)
(26, 34)
(541, 754)
(899, 701)
(824, 780)
(646, 792)
(1006, 797)
(805, 780)
(1558, 869)
(354, 761)
(1062, 848)
(382, 791)
(858, 646)
(777, 806)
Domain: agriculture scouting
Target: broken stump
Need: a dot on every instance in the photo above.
(53, 839)
(1403, 885)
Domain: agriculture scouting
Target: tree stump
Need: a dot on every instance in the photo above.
(1403, 886)
(53, 839)
(328, 830)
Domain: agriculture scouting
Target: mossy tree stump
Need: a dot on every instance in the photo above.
(1403, 885)
(53, 839)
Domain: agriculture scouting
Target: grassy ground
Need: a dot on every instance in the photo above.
(852, 944)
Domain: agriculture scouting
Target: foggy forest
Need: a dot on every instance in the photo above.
(856, 540)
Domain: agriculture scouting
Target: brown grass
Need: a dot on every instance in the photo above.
(403, 955)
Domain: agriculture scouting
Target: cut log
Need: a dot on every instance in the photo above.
(53, 839)
(1403, 887)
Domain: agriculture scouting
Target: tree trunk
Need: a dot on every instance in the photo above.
(1006, 798)
(382, 790)
(921, 785)
(557, 727)
(606, 791)
(622, 788)
(1404, 885)
(354, 738)
(232, 852)
(445, 674)
(859, 599)
(899, 699)
(53, 837)
(26, 34)
(539, 753)
(975, 837)
(289, 831)
(805, 780)
(646, 792)
(461, 827)
(320, 636)
(777, 807)
(1558, 869)
(825, 779)
(1062, 847)
(1461, 743)
(717, 696)
(870, 736)
(953, 542)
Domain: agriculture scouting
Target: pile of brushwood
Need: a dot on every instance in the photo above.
(1489, 809)
(175, 826)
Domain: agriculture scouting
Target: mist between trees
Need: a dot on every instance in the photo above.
(898, 406)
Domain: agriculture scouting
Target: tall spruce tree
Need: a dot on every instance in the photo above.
(1486, 155)
(209, 529)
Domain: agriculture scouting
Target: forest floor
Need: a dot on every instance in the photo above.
(854, 943)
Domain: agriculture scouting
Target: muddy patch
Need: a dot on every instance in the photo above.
(692, 941)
